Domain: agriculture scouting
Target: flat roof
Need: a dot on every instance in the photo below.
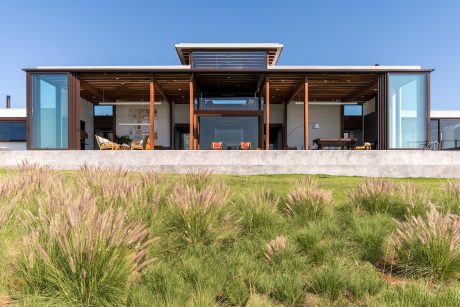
(445, 113)
(268, 69)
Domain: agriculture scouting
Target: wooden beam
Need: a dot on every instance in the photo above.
(355, 96)
(95, 92)
(191, 112)
(152, 114)
(305, 115)
(267, 113)
(160, 90)
(301, 85)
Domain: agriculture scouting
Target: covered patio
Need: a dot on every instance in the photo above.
(291, 109)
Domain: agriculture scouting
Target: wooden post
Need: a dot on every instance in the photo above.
(305, 115)
(152, 114)
(267, 113)
(285, 143)
(192, 110)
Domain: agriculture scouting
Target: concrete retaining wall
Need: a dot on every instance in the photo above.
(398, 163)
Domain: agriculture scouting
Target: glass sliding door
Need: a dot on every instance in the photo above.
(230, 130)
(49, 111)
(407, 110)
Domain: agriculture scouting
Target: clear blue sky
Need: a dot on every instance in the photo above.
(328, 32)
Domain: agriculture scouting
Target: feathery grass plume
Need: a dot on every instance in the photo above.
(275, 249)
(416, 201)
(385, 196)
(428, 246)
(450, 199)
(82, 254)
(198, 180)
(116, 187)
(452, 188)
(374, 195)
(306, 182)
(196, 215)
(308, 203)
(258, 213)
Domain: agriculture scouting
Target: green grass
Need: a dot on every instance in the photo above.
(220, 241)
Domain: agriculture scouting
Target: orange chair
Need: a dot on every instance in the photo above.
(245, 145)
(216, 145)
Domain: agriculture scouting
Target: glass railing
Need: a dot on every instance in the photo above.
(229, 103)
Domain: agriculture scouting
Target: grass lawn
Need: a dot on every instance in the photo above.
(101, 237)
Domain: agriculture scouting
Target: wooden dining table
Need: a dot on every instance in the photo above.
(342, 143)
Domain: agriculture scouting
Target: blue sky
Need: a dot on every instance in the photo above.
(328, 32)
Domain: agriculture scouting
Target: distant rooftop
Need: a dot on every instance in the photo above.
(10, 113)
(445, 114)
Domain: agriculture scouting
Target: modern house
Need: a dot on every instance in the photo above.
(229, 93)
(12, 127)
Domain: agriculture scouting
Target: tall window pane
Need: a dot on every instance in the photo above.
(450, 133)
(407, 111)
(49, 114)
(230, 130)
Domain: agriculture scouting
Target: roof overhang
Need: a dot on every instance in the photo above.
(273, 49)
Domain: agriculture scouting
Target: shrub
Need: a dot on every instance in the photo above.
(81, 254)
(370, 234)
(329, 281)
(386, 196)
(428, 246)
(196, 216)
(306, 204)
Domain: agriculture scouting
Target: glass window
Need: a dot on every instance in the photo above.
(230, 130)
(450, 133)
(353, 110)
(434, 130)
(229, 59)
(103, 110)
(49, 113)
(407, 110)
(13, 131)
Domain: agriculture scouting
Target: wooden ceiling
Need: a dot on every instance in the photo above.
(108, 87)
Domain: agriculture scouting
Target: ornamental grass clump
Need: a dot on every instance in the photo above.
(308, 203)
(275, 249)
(386, 196)
(427, 246)
(258, 213)
(196, 216)
(116, 187)
(450, 199)
(79, 253)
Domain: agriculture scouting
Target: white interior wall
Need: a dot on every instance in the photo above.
(163, 127)
(369, 107)
(87, 115)
(276, 113)
(327, 116)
